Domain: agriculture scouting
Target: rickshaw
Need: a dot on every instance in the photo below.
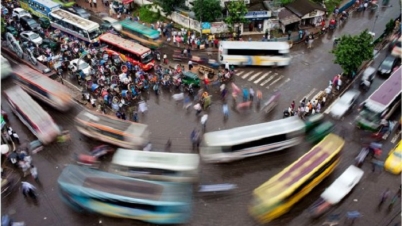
(190, 78)
(313, 121)
(271, 103)
(319, 132)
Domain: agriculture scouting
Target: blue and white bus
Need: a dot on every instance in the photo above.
(74, 25)
(39, 8)
(90, 190)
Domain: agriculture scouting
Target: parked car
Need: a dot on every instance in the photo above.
(31, 36)
(109, 23)
(29, 24)
(393, 162)
(78, 11)
(79, 64)
(388, 65)
(344, 104)
(19, 13)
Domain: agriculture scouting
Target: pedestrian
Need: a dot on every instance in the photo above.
(225, 110)
(34, 172)
(93, 102)
(292, 105)
(156, 89)
(310, 42)
(168, 145)
(111, 10)
(28, 190)
(135, 116)
(90, 3)
(203, 121)
(123, 115)
(165, 60)
(190, 65)
(118, 114)
(365, 5)
(25, 167)
(384, 196)
(260, 27)
(197, 109)
(375, 163)
(245, 95)
(94, 2)
(289, 34)
(323, 101)
(252, 93)
(148, 147)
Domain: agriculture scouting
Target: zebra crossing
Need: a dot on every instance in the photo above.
(266, 79)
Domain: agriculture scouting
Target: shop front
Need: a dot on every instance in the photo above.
(256, 21)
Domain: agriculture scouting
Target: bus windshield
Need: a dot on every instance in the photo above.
(147, 57)
(94, 34)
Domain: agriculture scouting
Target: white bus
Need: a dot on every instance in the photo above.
(74, 25)
(254, 53)
(43, 87)
(382, 103)
(176, 167)
(242, 142)
(32, 115)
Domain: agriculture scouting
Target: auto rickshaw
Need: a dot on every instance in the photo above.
(44, 22)
(190, 78)
(318, 133)
(313, 121)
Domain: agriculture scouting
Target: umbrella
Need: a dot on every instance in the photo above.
(94, 86)
(235, 90)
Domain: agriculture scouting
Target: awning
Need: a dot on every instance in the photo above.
(127, 1)
(286, 17)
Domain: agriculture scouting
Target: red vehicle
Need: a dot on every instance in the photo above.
(128, 51)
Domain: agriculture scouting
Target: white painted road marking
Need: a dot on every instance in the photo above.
(239, 73)
(269, 79)
(262, 77)
(254, 76)
(275, 81)
(247, 74)
(309, 94)
(283, 83)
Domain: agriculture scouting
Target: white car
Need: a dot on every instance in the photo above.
(344, 103)
(31, 36)
(80, 64)
(19, 12)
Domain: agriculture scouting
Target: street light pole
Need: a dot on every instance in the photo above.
(376, 17)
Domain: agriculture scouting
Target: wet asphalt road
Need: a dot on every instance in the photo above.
(167, 120)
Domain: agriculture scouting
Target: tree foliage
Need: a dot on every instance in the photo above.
(351, 51)
(169, 5)
(3, 25)
(236, 12)
(207, 10)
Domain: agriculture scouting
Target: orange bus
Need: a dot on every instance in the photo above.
(128, 51)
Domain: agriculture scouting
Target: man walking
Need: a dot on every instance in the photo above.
(204, 119)
(28, 190)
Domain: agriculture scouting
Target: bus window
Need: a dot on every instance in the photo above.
(260, 142)
(114, 135)
(128, 204)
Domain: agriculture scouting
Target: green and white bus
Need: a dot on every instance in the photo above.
(144, 35)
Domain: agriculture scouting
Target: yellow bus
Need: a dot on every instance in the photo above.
(276, 196)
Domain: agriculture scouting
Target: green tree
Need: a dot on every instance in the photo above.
(351, 51)
(207, 10)
(236, 12)
(169, 5)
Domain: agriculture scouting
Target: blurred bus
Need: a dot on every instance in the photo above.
(109, 129)
(94, 191)
(276, 196)
(32, 115)
(5, 68)
(74, 25)
(242, 142)
(128, 51)
(254, 53)
(39, 8)
(176, 167)
(42, 87)
(382, 103)
(145, 35)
